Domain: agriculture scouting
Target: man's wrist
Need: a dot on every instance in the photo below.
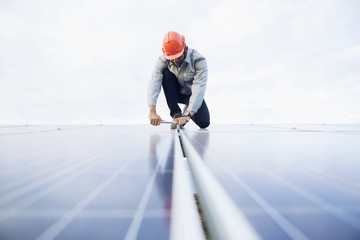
(152, 108)
(187, 114)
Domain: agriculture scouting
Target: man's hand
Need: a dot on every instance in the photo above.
(154, 118)
(181, 120)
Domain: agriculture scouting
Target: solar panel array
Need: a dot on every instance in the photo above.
(291, 181)
(115, 181)
(85, 182)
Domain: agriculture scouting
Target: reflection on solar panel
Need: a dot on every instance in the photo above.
(116, 182)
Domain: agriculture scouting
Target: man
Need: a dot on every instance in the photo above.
(182, 73)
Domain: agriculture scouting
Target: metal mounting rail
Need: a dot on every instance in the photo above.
(223, 218)
(185, 220)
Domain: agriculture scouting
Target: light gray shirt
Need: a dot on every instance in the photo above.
(192, 76)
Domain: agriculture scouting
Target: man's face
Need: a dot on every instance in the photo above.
(178, 61)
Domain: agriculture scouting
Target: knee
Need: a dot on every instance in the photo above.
(203, 124)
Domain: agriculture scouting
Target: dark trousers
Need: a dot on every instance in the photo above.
(173, 96)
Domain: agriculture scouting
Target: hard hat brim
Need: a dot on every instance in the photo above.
(171, 57)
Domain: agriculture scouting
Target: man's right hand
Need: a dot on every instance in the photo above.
(154, 118)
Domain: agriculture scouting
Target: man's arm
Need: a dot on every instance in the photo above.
(154, 89)
(199, 86)
(155, 82)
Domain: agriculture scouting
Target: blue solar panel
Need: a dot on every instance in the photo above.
(91, 182)
(115, 182)
(301, 182)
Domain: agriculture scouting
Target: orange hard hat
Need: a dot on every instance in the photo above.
(173, 45)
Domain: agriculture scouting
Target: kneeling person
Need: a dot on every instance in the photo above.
(182, 73)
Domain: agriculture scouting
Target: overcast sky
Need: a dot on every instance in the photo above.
(269, 61)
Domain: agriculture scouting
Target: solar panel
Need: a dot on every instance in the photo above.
(76, 182)
(115, 181)
(291, 182)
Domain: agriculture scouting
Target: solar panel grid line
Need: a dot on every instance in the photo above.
(48, 130)
(116, 213)
(11, 126)
(223, 218)
(292, 210)
(13, 163)
(337, 178)
(84, 214)
(294, 128)
(41, 160)
(292, 231)
(334, 180)
(34, 213)
(343, 185)
(26, 179)
(272, 131)
(28, 132)
(30, 186)
(345, 125)
(20, 126)
(185, 219)
(322, 128)
(332, 209)
(328, 131)
(276, 127)
(53, 231)
(135, 224)
(37, 196)
(340, 182)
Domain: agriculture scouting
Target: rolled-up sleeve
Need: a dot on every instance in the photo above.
(155, 82)
(199, 85)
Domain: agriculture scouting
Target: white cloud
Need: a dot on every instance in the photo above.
(90, 61)
(283, 61)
